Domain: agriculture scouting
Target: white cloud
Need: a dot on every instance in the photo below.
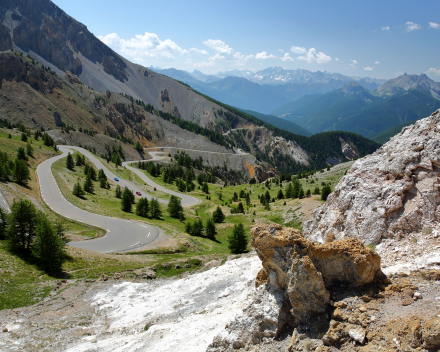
(336, 59)
(148, 45)
(313, 56)
(368, 68)
(434, 25)
(204, 64)
(263, 56)
(281, 50)
(286, 57)
(377, 62)
(298, 50)
(240, 59)
(433, 71)
(411, 26)
(218, 45)
(217, 56)
(353, 64)
(386, 28)
(198, 51)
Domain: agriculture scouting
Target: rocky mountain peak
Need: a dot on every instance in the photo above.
(406, 82)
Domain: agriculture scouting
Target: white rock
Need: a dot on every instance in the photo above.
(357, 334)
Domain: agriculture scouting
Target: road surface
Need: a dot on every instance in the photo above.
(187, 200)
(4, 203)
(121, 235)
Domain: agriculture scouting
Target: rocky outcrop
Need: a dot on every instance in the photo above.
(306, 272)
(389, 194)
(72, 78)
(14, 67)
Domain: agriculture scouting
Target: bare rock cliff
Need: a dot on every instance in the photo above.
(389, 194)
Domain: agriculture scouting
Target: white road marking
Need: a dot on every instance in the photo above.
(133, 245)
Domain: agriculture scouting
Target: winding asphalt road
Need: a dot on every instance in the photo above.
(4, 203)
(122, 235)
(186, 199)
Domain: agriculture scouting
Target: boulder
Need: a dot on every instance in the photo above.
(305, 272)
(393, 192)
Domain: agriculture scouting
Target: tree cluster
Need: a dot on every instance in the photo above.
(30, 233)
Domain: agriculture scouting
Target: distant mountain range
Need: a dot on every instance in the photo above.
(279, 75)
(357, 109)
(265, 90)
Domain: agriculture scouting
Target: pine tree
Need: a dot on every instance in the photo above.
(237, 240)
(175, 207)
(210, 229)
(280, 194)
(49, 245)
(301, 193)
(21, 154)
(155, 211)
(143, 207)
(205, 188)
(21, 171)
(22, 222)
(118, 192)
(29, 150)
(24, 137)
(138, 146)
(101, 175)
(78, 160)
(77, 190)
(218, 215)
(70, 164)
(289, 190)
(240, 208)
(325, 192)
(88, 184)
(308, 193)
(248, 199)
(126, 203)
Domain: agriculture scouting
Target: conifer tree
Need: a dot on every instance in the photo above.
(237, 239)
(210, 229)
(70, 164)
(156, 212)
(218, 215)
(77, 190)
(88, 185)
(175, 207)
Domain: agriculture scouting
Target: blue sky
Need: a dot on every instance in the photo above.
(380, 39)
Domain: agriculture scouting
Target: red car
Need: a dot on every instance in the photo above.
(138, 193)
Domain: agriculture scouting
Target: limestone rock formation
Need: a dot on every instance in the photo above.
(305, 272)
(389, 194)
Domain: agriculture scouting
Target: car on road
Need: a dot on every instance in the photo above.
(138, 193)
(116, 179)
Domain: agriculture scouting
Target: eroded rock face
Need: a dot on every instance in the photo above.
(393, 192)
(305, 272)
(14, 67)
